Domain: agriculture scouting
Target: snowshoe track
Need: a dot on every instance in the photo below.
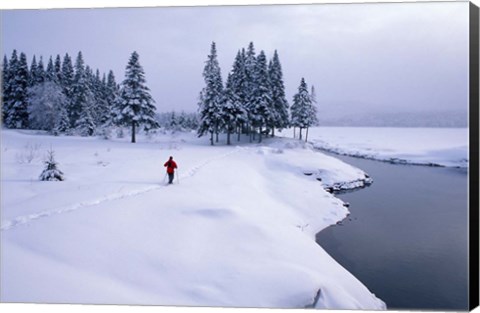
(25, 219)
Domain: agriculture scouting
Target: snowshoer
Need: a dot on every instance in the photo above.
(171, 166)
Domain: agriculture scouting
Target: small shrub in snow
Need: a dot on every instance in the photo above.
(51, 172)
(29, 153)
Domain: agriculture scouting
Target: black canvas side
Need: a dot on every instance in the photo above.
(474, 151)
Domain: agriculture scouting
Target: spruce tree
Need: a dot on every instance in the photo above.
(211, 96)
(32, 78)
(136, 103)
(51, 171)
(237, 93)
(50, 72)
(232, 113)
(280, 104)
(250, 65)
(40, 73)
(81, 93)
(68, 76)
(6, 90)
(261, 111)
(18, 106)
(58, 70)
(112, 91)
(302, 110)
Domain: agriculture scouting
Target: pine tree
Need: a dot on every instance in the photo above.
(58, 70)
(6, 79)
(40, 73)
(18, 106)
(302, 110)
(136, 103)
(250, 65)
(61, 122)
(82, 98)
(85, 125)
(32, 78)
(68, 77)
(236, 91)
(112, 91)
(51, 171)
(8, 87)
(232, 113)
(280, 104)
(262, 106)
(50, 72)
(211, 96)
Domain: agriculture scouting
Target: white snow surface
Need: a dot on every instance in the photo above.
(420, 146)
(237, 229)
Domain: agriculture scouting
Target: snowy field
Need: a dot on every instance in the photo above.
(236, 229)
(423, 146)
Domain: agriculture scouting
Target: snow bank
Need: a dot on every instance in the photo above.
(236, 229)
(421, 146)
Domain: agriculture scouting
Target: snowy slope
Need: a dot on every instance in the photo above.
(237, 229)
(423, 146)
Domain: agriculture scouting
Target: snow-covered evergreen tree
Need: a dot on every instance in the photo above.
(58, 70)
(40, 73)
(61, 121)
(6, 78)
(302, 110)
(262, 106)
(280, 104)
(136, 103)
(112, 92)
(250, 65)
(18, 106)
(236, 91)
(211, 96)
(68, 77)
(51, 171)
(8, 86)
(232, 113)
(85, 125)
(82, 102)
(50, 72)
(32, 77)
(313, 96)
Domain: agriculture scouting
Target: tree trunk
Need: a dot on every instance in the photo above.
(239, 132)
(228, 137)
(260, 134)
(273, 131)
(133, 131)
(300, 133)
(306, 135)
(293, 132)
(211, 138)
(216, 137)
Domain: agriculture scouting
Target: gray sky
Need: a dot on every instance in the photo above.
(360, 57)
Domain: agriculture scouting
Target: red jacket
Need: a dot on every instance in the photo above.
(171, 166)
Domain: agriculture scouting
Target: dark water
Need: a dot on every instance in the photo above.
(406, 238)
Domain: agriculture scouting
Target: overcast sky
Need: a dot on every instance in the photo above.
(395, 56)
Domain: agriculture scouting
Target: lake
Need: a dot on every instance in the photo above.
(407, 236)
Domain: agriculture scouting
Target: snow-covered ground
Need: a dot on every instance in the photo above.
(236, 229)
(422, 146)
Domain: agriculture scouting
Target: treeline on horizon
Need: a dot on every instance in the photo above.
(252, 101)
(72, 99)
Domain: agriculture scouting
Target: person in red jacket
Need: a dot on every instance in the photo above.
(171, 166)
